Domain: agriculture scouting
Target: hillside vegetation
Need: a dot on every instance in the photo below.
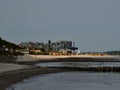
(6, 44)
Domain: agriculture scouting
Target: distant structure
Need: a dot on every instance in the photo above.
(73, 48)
(50, 46)
(57, 46)
(62, 47)
(31, 45)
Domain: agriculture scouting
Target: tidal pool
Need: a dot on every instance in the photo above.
(70, 81)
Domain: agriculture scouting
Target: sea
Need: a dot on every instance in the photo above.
(75, 80)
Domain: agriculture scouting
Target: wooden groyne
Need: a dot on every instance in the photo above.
(91, 69)
(88, 59)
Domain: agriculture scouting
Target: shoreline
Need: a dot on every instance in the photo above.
(33, 59)
(10, 77)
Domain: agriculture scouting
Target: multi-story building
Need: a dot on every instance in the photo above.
(32, 45)
(57, 46)
(50, 46)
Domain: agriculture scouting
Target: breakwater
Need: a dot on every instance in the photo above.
(77, 60)
(91, 69)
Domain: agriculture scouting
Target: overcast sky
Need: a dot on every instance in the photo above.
(93, 24)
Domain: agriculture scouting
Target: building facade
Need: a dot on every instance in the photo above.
(50, 46)
(57, 46)
(32, 45)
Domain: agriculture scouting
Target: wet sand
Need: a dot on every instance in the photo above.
(12, 77)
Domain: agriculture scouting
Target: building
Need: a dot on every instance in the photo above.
(49, 47)
(31, 45)
(57, 46)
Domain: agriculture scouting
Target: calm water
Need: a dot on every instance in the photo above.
(71, 81)
(79, 64)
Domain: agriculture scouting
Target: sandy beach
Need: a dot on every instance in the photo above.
(51, 57)
(4, 67)
(12, 73)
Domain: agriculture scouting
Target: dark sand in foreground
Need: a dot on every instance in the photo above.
(12, 77)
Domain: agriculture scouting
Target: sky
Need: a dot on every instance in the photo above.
(94, 25)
